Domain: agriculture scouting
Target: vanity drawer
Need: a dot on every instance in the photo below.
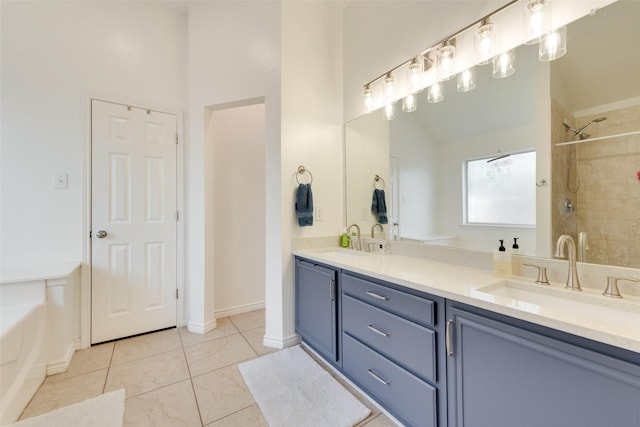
(406, 343)
(417, 309)
(406, 396)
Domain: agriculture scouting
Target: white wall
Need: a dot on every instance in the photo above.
(417, 178)
(234, 55)
(55, 55)
(312, 130)
(238, 136)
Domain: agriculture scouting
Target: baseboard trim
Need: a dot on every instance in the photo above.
(60, 366)
(202, 328)
(240, 309)
(281, 343)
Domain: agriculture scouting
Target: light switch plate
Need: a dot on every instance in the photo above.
(60, 181)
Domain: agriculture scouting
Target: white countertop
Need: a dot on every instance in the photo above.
(39, 272)
(462, 284)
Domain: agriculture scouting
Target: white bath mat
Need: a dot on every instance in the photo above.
(291, 389)
(106, 410)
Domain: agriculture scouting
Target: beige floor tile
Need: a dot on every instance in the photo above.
(250, 416)
(88, 360)
(221, 393)
(144, 375)
(56, 394)
(380, 421)
(225, 328)
(171, 406)
(145, 345)
(216, 354)
(255, 338)
(248, 321)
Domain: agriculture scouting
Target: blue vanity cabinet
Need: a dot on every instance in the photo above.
(391, 338)
(506, 372)
(317, 307)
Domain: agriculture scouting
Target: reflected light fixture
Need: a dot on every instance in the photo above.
(368, 98)
(414, 76)
(553, 45)
(445, 60)
(467, 80)
(390, 111)
(409, 103)
(503, 65)
(485, 42)
(537, 20)
(434, 93)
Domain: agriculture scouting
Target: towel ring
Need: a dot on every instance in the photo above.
(301, 171)
(377, 179)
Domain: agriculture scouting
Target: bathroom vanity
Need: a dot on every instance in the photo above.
(442, 345)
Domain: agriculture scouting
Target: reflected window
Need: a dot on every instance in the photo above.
(501, 190)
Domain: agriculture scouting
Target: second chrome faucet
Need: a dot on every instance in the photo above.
(573, 282)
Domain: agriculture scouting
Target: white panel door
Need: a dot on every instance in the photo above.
(133, 221)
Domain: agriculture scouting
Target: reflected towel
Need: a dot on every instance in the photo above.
(304, 205)
(378, 206)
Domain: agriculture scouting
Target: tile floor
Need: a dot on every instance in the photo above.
(173, 377)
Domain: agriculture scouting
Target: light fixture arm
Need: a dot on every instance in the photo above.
(442, 42)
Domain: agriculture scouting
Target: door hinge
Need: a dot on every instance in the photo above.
(90, 234)
(177, 215)
(177, 293)
(176, 139)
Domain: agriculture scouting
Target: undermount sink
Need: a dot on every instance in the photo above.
(592, 304)
(345, 253)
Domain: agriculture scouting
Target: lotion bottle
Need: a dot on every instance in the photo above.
(502, 261)
(515, 247)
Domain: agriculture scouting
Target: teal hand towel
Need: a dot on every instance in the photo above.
(379, 206)
(304, 205)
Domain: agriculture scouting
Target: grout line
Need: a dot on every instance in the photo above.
(193, 388)
(239, 410)
(104, 386)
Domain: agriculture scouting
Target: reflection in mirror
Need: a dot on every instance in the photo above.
(422, 155)
(595, 189)
(595, 98)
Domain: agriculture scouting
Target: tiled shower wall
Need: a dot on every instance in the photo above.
(607, 201)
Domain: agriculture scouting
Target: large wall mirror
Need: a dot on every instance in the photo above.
(593, 190)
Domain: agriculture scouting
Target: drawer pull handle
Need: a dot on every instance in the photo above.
(377, 331)
(378, 378)
(448, 337)
(373, 294)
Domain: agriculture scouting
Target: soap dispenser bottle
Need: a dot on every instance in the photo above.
(515, 248)
(344, 239)
(502, 261)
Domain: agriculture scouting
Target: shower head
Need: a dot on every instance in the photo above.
(578, 131)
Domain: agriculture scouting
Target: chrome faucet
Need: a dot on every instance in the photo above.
(377, 224)
(572, 277)
(359, 247)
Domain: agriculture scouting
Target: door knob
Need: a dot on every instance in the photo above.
(101, 234)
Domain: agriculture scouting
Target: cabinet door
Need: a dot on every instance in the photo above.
(316, 314)
(501, 375)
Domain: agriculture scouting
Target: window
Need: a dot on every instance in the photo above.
(501, 191)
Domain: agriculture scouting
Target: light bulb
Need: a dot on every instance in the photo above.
(390, 111)
(537, 20)
(485, 42)
(389, 83)
(409, 103)
(414, 76)
(467, 80)
(368, 98)
(445, 60)
(553, 45)
(434, 93)
(503, 65)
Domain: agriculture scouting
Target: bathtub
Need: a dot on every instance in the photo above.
(22, 357)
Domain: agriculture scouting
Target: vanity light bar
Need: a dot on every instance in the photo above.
(444, 53)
